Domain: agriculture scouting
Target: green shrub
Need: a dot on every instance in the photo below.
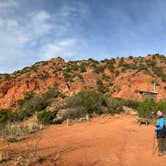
(73, 107)
(21, 102)
(161, 105)
(28, 95)
(36, 104)
(131, 57)
(92, 101)
(142, 67)
(123, 70)
(72, 102)
(116, 73)
(99, 69)
(75, 67)
(111, 67)
(114, 105)
(159, 72)
(31, 104)
(68, 69)
(105, 77)
(121, 62)
(7, 77)
(67, 76)
(58, 68)
(20, 115)
(129, 66)
(46, 117)
(44, 76)
(5, 115)
(93, 61)
(34, 68)
(101, 87)
(83, 68)
(131, 103)
(150, 62)
(51, 93)
(28, 106)
(13, 139)
(146, 108)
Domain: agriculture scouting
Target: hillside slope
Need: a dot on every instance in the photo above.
(120, 77)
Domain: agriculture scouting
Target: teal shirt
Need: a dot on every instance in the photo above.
(160, 124)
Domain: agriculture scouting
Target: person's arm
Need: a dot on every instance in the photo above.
(160, 124)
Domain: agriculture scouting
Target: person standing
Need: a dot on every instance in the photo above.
(160, 132)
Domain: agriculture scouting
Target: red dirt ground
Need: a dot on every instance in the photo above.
(103, 141)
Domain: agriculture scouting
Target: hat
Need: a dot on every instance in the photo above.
(159, 113)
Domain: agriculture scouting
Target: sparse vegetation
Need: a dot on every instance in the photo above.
(5, 115)
(44, 76)
(101, 87)
(47, 117)
(111, 66)
(129, 66)
(83, 68)
(94, 102)
(14, 132)
(159, 72)
(117, 73)
(151, 62)
(142, 67)
(67, 76)
(77, 76)
(148, 107)
(99, 69)
(77, 106)
(121, 62)
(28, 106)
(105, 77)
(7, 77)
(115, 105)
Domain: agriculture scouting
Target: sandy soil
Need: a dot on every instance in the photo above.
(103, 141)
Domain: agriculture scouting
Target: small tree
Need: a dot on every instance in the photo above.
(91, 101)
(146, 108)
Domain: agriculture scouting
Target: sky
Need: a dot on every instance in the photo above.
(37, 30)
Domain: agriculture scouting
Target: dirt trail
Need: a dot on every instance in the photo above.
(104, 141)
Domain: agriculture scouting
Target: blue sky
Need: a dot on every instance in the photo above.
(35, 30)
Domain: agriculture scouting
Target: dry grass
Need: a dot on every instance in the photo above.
(15, 132)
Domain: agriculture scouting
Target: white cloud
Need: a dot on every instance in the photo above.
(39, 25)
(66, 48)
(17, 36)
(37, 35)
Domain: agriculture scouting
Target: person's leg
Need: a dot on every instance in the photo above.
(160, 145)
(164, 147)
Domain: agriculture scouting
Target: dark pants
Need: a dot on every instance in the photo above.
(161, 144)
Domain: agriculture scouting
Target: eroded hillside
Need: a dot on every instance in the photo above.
(120, 77)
